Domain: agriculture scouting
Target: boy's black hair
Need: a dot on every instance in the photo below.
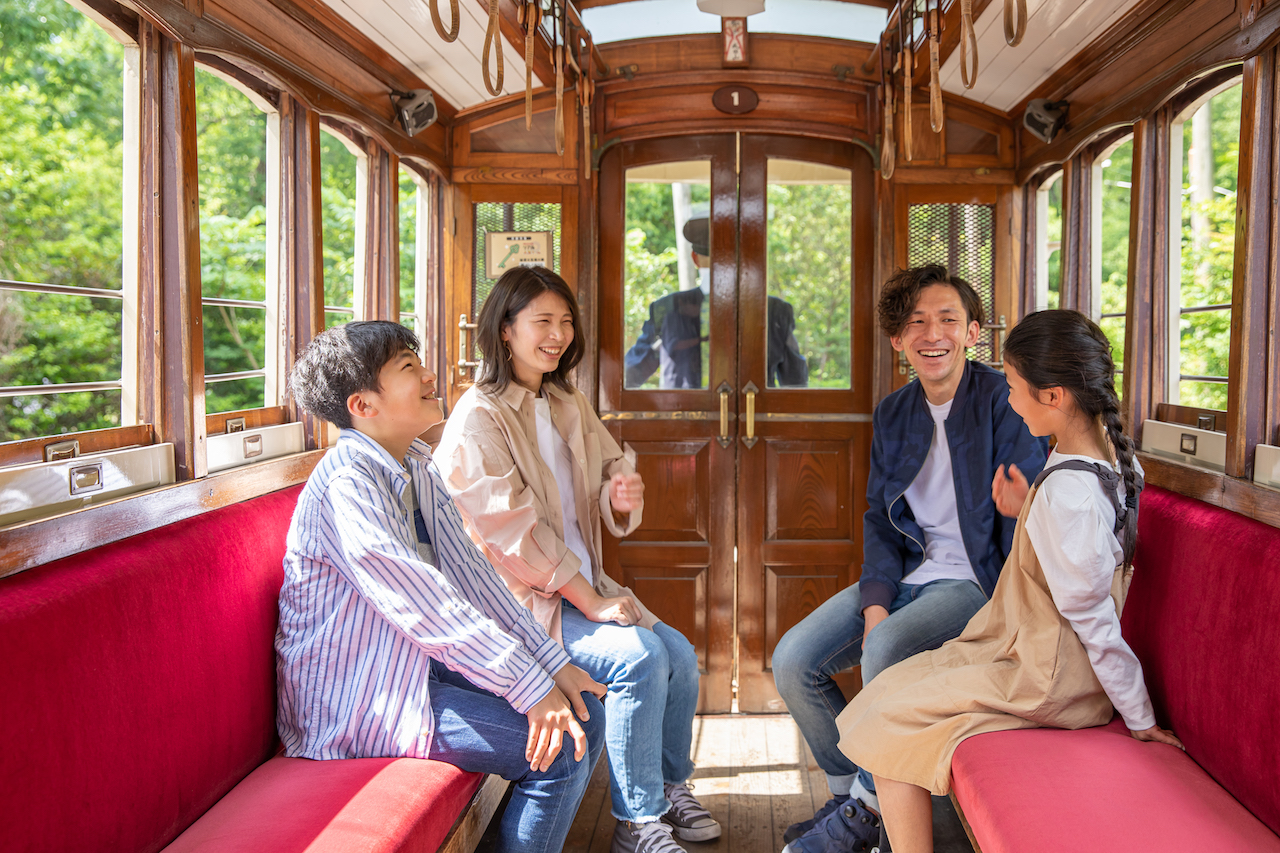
(901, 292)
(514, 290)
(343, 361)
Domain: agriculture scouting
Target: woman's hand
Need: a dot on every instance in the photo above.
(1009, 492)
(621, 609)
(1158, 735)
(573, 682)
(626, 492)
(548, 721)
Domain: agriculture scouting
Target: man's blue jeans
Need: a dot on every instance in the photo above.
(480, 732)
(829, 640)
(652, 678)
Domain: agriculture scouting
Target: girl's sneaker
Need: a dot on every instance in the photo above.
(687, 816)
(851, 828)
(651, 837)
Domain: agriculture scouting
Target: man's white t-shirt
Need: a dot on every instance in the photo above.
(932, 498)
(555, 452)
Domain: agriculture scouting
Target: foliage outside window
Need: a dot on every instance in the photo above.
(61, 191)
(1210, 140)
(414, 223)
(340, 196)
(231, 150)
(1049, 255)
(1113, 249)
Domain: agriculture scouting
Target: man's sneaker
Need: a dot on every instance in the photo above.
(798, 829)
(851, 828)
(651, 837)
(687, 817)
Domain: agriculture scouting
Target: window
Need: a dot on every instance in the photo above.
(1113, 169)
(234, 247)
(342, 190)
(415, 224)
(67, 226)
(1206, 149)
(1049, 244)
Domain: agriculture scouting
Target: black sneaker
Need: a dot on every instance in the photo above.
(798, 829)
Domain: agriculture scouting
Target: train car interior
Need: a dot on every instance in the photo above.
(193, 190)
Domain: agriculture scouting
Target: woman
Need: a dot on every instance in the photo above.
(535, 473)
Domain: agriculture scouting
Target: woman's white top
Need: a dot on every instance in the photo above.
(555, 453)
(1070, 524)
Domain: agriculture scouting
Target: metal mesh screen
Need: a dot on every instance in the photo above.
(503, 216)
(960, 237)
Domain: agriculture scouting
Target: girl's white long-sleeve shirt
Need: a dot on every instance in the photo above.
(1070, 524)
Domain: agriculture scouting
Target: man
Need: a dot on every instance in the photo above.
(671, 339)
(933, 540)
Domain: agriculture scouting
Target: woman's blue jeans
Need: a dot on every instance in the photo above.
(480, 732)
(652, 676)
(829, 640)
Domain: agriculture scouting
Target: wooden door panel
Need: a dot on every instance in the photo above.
(807, 489)
(793, 591)
(672, 581)
(676, 473)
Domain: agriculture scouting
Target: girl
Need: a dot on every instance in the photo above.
(535, 473)
(1046, 650)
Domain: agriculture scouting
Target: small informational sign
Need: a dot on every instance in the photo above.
(505, 250)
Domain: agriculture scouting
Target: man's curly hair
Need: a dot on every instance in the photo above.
(902, 291)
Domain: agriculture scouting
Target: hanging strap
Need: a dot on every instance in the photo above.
(531, 17)
(936, 117)
(586, 92)
(888, 152)
(492, 39)
(1111, 481)
(452, 33)
(557, 53)
(908, 72)
(968, 45)
(1014, 30)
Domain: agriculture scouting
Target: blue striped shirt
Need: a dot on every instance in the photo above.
(362, 615)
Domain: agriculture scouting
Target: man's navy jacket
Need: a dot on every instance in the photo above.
(983, 432)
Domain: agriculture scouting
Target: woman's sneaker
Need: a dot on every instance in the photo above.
(851, 828)
(651, 837)
(687, 816)
(798, 829)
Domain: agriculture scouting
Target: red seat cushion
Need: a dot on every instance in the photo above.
(1055, 791)
(354, 805)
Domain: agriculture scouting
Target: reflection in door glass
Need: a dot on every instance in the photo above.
(809, 268)
(667, 275)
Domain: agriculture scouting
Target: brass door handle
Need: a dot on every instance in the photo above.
(464, 349)
(750, 390)
(725, 390)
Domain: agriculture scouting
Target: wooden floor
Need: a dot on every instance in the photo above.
(756, 776)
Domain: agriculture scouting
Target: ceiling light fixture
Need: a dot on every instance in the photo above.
(731, 8)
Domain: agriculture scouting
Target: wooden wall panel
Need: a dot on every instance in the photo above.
(1076, 290)
(382, 242)
(797, 55)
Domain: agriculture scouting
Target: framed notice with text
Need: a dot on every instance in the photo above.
(504, 250)
(734, 35)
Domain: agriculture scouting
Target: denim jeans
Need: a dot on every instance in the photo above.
(652, 678)
(829, 640)
(480, 732)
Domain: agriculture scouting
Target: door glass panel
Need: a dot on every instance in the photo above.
(807, 335)
(667, 275)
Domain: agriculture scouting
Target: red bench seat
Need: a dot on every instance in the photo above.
(139, 694)
(1201, 616)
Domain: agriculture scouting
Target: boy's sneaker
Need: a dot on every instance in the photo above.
(798, 829)
(851, 828)
(687, 816)
(651, 837)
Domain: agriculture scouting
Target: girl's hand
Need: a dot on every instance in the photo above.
(621, 609)
(548, 722)
(1159, 735)
(626, 492)
(1009, 492)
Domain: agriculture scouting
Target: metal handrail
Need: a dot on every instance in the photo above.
(63, 289)
(1196, 309)
(60, 388)
(233, 303)
(213, 378)
(1186, 377)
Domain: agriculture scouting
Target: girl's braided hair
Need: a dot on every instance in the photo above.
(1067, 349)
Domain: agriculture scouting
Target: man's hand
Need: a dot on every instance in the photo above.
(626, 492)
(548, 720)
(1159, 735)
(1009, 492)
(573, 682)
(872, 616)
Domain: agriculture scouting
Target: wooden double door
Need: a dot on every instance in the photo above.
(748, 402)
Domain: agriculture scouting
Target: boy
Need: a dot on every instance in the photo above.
(933, 538)
(396, 638)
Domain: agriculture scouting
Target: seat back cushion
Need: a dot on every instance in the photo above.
(139, 680)
(1202, 616)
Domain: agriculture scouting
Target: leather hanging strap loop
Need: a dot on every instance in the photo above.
(908, 72)
(452, 33)
(1015, 21)
(888, 151)
(586, 93)
(531, 18)
(492, 40)
(559, 98)
(968, 46)
(936, 116)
